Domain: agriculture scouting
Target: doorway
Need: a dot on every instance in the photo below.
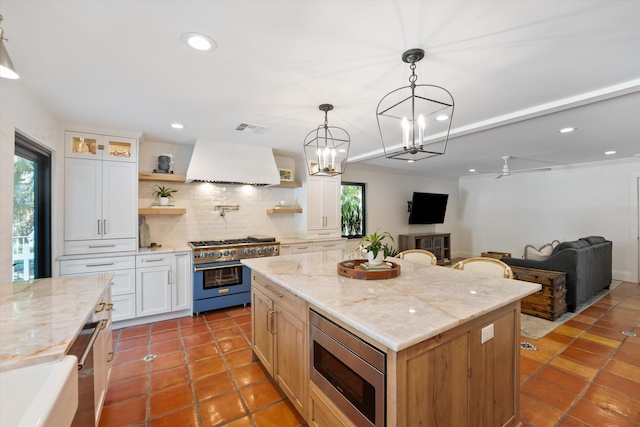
(31, 239)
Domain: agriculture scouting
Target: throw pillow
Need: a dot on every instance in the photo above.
(530, 252)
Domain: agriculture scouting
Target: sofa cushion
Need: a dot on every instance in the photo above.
(575, 244)
(530, 252)
(593, 240)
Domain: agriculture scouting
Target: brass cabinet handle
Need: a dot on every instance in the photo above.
(110, 359)
(100, 307)
(268, 320)
(109, 307)
(104, 324)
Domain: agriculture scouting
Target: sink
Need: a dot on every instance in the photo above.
(40, 395)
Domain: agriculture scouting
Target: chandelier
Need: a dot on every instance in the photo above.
(326, 148)
(419, 114)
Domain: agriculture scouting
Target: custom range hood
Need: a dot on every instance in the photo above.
(227, 163)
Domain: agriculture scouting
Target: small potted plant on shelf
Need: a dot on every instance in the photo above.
(163, 194)
(376, 249)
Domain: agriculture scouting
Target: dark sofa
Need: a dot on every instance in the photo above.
(587, 262)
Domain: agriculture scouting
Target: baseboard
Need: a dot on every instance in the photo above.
(150, 319)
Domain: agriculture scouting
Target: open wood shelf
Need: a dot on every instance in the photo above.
(162, 211)
(150, 176)
(284, 210)
(289, 184)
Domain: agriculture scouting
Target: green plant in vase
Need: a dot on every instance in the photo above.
(163, 194)
(375, 245)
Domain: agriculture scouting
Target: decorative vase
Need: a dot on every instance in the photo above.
(375, 260)
(164, 201)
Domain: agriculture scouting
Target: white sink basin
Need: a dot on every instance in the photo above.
(40, 395)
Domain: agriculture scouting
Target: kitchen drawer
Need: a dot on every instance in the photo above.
(123, 282)
(154, 260)
(283, 297)
(285, 249)
(324, 234)
(330, 245)
(301, 248)
(96, 265)
(124, 307)
(79, 247)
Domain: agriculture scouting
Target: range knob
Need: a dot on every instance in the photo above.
(233, 252)
(203, 254)
(220, 254)
(246, 251)
(211, 254)
(253, 251)
(260, 251)
(226, 253)
(271, 249)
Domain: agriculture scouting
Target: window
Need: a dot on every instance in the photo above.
(31, 243)
(353, 210)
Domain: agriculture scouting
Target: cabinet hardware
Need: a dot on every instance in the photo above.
(100, 307)
(85, 353)
(153, 260)
(268, 320)
(100, 265)
(105, 322)
(324, 234)
(110, 359)
(223, 291)
(101, 246)
(99, 227)
(168, 277)
(109, 307)
(104, 227)
(100, 147)
(303, 247)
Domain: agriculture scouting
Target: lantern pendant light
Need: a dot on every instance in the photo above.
(414, 121)
(326, 148)
(7, 69)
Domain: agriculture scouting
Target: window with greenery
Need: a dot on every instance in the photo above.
(353, 209)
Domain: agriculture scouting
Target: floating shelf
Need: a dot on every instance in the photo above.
(289, 184)
(162, 211)
(150, 176)
(284, 210)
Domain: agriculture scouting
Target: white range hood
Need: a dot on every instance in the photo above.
(228, 163)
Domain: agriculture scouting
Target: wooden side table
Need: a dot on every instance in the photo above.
(550, 302)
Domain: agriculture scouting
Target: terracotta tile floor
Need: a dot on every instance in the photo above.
(584, 373)
(202, 375)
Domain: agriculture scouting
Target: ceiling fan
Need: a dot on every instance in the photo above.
(506, 171)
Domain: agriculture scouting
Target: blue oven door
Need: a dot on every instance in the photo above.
(220, 285)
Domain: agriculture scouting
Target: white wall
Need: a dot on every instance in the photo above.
(21, 111)
(568, 203)
(387, 193)
(202, 221)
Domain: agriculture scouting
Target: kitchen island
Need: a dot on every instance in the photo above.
(451, 338)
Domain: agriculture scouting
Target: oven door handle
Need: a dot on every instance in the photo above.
(216, 268)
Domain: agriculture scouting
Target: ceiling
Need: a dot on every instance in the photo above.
(518, 70)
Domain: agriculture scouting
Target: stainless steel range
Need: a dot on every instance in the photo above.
(219, 279)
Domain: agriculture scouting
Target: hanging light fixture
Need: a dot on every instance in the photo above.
(415, 120)
(326, 148)
(6, 66)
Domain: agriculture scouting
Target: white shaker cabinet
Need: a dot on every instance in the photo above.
(181, 297)
(322, 198)
(153, 284)
(101, 196)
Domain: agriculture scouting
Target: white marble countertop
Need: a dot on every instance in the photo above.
(400, 312)
(40, 319)
(140, 251)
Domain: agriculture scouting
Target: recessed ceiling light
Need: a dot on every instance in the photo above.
(410, 161)
(567, 130)
(472, 170)
(177, 126)
(199, 41)
(442, 118)
(608, 153)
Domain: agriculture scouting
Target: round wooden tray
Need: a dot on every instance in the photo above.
(352, 269)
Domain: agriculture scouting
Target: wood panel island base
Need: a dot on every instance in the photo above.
(449, 341)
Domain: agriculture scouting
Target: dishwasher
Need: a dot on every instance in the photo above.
(82, 348)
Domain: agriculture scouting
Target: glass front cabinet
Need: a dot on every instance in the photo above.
(100, 147)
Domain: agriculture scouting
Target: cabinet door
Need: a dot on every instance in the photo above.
(331, 202)
(120, 203)
(181, 297)
(285, 249)
(315, 198)
(262, 328)
(291, 354)
(83, 145)
(120, 149)
(153, 290)
(82, 199)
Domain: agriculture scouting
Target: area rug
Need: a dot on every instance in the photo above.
(535, 327)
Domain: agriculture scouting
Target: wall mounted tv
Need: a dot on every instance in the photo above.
(427, 208)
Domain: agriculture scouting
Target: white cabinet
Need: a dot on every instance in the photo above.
(329, 245)
(91, 146)
(101, 196)
(153, 284)
(163, 283)
(321, 197)
(102, 353)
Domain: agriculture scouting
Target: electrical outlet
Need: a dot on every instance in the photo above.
(487, 333)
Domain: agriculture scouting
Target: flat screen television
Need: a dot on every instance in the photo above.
(428, 208)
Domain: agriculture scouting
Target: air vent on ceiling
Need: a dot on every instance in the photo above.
(248, 127)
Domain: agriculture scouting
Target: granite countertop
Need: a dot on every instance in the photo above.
(40, 319)
(422, 302)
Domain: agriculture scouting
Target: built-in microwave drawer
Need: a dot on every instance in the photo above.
(96, 265)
